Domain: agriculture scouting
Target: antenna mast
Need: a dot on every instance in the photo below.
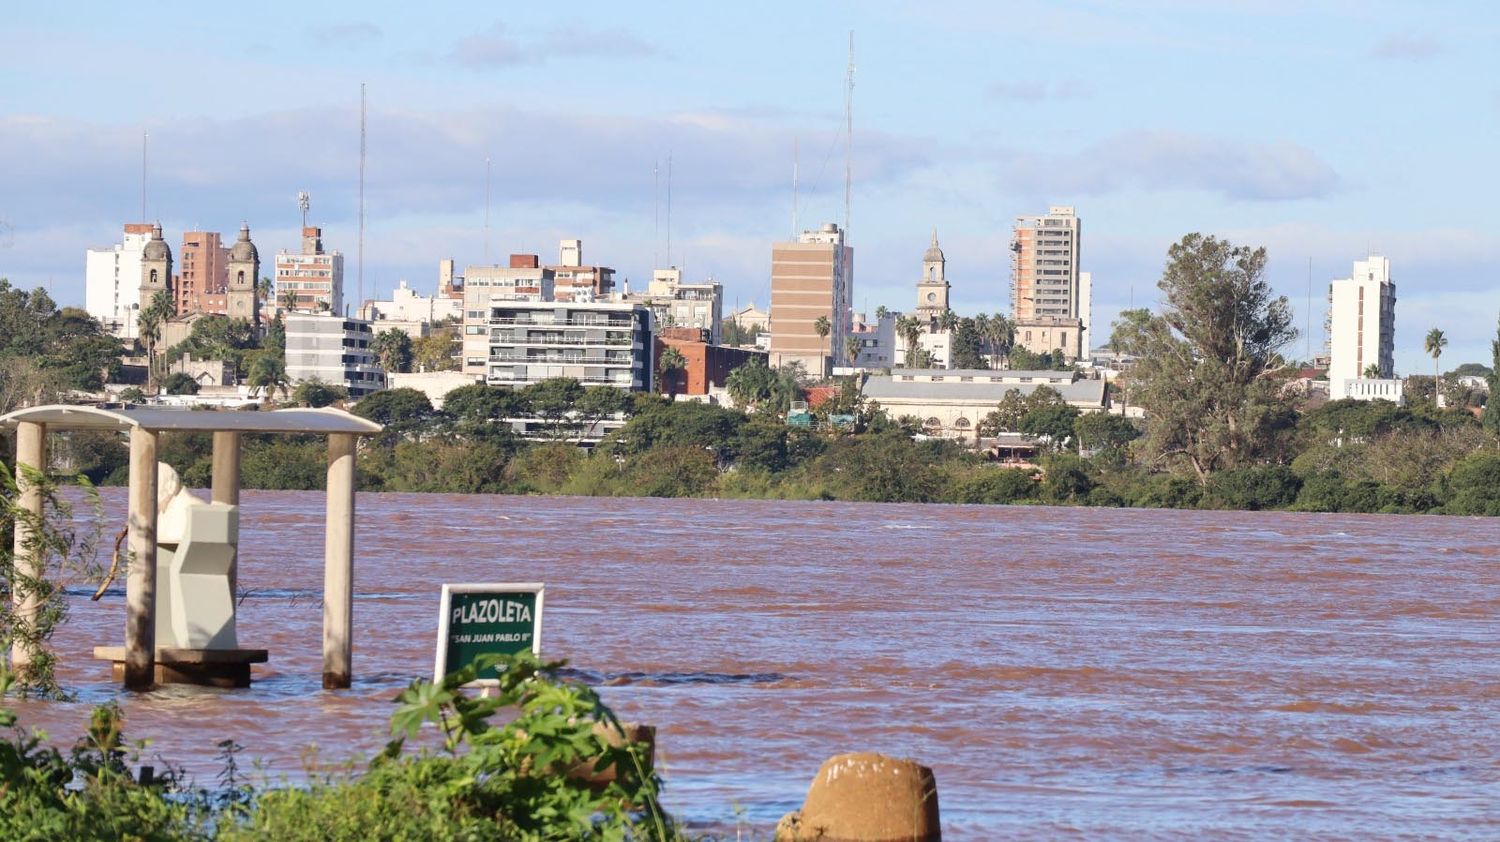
(360, 260)
(486, 209)
(849, 136)
(145, 138)
(656, 210)
(304, 203)
(796, 159)
(1309, 311)
(669, 209)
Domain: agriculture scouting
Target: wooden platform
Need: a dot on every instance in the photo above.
(204, 667)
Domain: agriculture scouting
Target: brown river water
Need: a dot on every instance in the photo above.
(1083, 673)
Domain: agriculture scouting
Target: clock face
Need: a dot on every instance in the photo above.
(931, 296)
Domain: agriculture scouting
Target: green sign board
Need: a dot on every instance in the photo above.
(480, 619)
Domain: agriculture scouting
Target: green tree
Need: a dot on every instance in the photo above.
(1053, 423)
(1491, 418)
(851, 348)
(596, 404)
(180, 383)
(1207, 368)
(948, 321)
(393, 350)
(400, 411)
(315, 393)
(1434, 345)
(822, 327)
(1102, 430)
(267, 375)
(909, 328)
(968, 344)
(1372, 371)
(753, 385)
(670, 368)
(150, 324)
(553, 401)
(437, 351)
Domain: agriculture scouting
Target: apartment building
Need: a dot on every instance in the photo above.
(1050, 297)
(334, 350)
(524, 279)
(677, 303)
(202, 274)
(112, 281)
(598, 343)
(312, 280)
(575, 281)
(812, 278)
(1362, 333)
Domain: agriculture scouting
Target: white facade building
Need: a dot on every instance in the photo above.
(1362, 332)
(312, 280)
(676, 303)
(334, 350)
(597, 344)
(407, 306)
(112, 281)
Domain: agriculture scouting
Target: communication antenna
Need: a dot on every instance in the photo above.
(5, 239)
(669, 208)
(656, 210)
(796, 160)
(849, 136)
(1309, 311)
(304, 204)
(145, 138)
(486, 209)
(360, 259)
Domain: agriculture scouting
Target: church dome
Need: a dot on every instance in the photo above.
(156, 248)
(244, 250)
(933, 253)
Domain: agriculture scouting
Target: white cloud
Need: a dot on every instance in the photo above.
(495, 47)
(350, 34)
(1165, 160)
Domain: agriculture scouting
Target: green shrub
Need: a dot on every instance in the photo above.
(1475, 486)
(997, 485)
(1253, 489)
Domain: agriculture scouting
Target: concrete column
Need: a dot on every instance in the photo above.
(338, 564)
(227, 489)
(140, 585)
(31, 452)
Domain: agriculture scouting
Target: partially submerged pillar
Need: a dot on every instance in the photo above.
(226, 488)
(866, 797)
(140, 584)
(31, 455)
(338, 564)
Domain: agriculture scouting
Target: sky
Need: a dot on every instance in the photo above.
(1323, 130)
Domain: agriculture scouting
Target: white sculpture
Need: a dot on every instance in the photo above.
(196, 544)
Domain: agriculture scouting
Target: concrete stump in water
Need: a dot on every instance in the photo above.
(866, 797)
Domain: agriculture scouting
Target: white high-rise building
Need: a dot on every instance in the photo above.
(112, 281)
(1362, 333)
(1050, 298)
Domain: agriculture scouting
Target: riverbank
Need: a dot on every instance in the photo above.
(1343, 457)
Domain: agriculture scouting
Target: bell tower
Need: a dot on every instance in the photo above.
(932, 290)
(243, 299)
(156, 267)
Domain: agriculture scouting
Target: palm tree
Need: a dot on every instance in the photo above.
(289, 300)
(1434, 345)
(667, 367)
(1001, 335)
(909, 328)
(881, 312)
(263, 290)
(947, 321)
(150, 322)
(1372, 371)
(851, 348)
(267, 374)
(822, 327)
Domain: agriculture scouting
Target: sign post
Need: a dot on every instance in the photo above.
(482, 619)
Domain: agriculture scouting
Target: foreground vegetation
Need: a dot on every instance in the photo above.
(470, 778)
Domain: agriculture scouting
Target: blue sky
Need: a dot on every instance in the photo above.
(1319, 129)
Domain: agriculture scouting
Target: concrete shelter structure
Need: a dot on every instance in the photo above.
(142, 662)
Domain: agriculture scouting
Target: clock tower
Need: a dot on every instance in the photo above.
(932, 290)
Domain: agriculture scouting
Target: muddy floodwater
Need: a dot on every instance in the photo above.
(1065, 672)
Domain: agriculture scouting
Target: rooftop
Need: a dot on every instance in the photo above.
(313, 421)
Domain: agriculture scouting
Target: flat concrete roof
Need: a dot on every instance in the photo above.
(292, 421)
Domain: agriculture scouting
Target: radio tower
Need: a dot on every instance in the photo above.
(304, 204)
(849, 136)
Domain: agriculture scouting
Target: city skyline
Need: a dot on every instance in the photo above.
(1323, 131)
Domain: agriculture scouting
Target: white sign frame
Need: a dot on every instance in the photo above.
(445, 606)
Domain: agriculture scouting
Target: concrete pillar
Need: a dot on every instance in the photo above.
(226, 489)
(31, 452)
(140, 584)
(338, 564)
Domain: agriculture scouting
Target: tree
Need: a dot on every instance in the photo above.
(437, 351)
(1434, 345)
(1372, 371)
(150, 324)
(852, 345)
(553, 401)
(1491, 418)
(1208, 368)
(881, 312)
(909, 328)
(948, 321)
(1052, 423)
(751, 384)
(822, 327)
(399, 410)
(968, 344)
(288, 299)
(596, 404)
(1101, 430)
(315, 393)
(392, 349)
(180, 383)
(267, 374)
(670, 368)
(263, 289)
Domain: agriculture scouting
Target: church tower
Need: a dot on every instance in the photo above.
(932, 290)
(156, 268)
(243, 301)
